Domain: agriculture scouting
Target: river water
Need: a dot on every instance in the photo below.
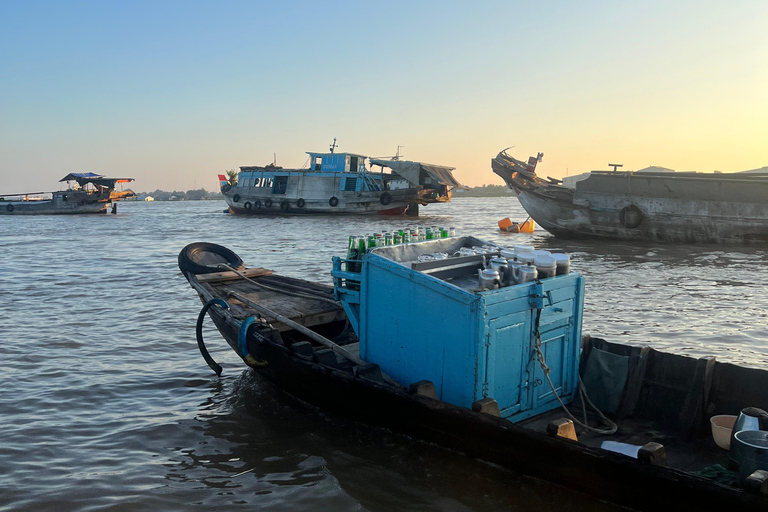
(107, 405)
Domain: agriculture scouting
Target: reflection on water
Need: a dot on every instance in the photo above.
(107, 403)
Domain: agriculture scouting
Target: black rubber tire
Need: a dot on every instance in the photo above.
(268, 203)
(285, 206)
(202, 257)
(300, 203)
(385, 198)
(236, 198)
(257, 204)
(631, 216)
(247, 205)
(334, 201)
(9, 208)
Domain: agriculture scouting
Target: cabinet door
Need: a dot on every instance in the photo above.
(506, 362)
(557, 345)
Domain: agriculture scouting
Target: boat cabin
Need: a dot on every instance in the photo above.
(345, 171)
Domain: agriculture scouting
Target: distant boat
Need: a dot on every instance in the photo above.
(656, 204)
(93, 194)
(339, 183)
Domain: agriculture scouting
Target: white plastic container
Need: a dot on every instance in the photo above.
(545, 266)
(526, 258)
(563, 262)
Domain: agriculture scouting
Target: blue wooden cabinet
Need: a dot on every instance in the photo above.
(469, 344)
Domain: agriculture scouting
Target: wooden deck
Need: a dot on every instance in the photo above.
(289, 297)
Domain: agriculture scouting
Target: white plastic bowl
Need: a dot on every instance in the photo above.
(721, 430)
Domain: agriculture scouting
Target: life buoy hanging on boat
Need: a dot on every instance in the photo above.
(333, 201)
(385, 198)
(247, 205)
(630, 216)
(257, 204)
(236, 198)
(285, 206)
(300, 203)
(9, 208)
(268, 203)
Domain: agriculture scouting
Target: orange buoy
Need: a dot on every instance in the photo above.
(513, 227)
(527, 226)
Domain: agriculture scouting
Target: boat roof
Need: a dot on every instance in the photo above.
(315, 155)
(97, 179)
(411, 171)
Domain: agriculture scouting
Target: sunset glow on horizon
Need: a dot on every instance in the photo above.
(173, 93)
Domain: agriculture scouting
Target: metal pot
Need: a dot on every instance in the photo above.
(751, 449)
(749, 419)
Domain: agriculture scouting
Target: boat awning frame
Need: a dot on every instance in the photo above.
(82, 178)
(411, 171)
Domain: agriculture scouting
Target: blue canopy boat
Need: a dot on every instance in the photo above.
(93, 193)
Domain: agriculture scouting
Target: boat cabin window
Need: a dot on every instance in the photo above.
(265, 182)
(353, 164)
(281, 183)
(318, 163)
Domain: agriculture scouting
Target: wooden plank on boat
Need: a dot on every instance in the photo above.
(232, 276)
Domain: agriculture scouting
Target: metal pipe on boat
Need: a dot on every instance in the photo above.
(199, 332)
(242, 344)
(312, 334)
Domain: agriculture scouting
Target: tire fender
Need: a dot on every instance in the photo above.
(630, 216)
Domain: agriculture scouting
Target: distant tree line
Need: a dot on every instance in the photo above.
(484, 191)
(199, 194)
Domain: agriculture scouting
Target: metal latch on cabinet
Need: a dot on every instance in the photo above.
(538, 295)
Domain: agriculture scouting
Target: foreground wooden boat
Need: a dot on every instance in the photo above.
(297, 335)
(94, 194)
(339, 183)
(687, 207)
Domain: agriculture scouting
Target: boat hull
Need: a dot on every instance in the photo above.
(253, 201)
(50, 207)
(607, 475)
(659, 207)
(669, 396)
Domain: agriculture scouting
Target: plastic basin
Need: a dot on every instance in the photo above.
(721, 429)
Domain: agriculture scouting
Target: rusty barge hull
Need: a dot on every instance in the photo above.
(664, 207)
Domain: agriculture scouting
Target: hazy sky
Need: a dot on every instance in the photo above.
(175, 92)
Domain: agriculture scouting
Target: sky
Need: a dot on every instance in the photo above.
(173, 93)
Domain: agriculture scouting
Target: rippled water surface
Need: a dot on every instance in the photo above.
(107, 405)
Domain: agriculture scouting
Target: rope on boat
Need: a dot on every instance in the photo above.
(242, 344)
(199, 332)
(612, 427)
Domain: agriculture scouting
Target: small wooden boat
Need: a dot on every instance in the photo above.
(295, 334)
(339, 183)
(93, 194)
(657, 205)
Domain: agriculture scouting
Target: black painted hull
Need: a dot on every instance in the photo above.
(603, 474)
